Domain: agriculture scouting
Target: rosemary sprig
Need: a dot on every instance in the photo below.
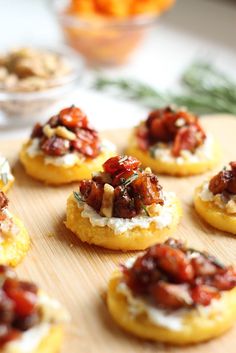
(204, 89)
(78, 196)
(128, 181)
(145, 210)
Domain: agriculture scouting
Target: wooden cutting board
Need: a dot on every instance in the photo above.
(77, 274)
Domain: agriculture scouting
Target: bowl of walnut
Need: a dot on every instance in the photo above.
(33, 80)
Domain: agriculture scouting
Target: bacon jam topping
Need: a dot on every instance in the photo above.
(177, 128)
(122, 190)
(171, 276)
(18, 306)
(68, 132)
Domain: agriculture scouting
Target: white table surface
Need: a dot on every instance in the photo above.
(193, 29)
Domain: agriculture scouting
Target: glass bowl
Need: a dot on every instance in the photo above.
(23, 108)
(103, 41)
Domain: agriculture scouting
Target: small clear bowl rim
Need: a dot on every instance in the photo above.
(107, 23)
(67, 80)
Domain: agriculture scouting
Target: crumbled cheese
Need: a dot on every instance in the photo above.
(204, 152)
(120, 225)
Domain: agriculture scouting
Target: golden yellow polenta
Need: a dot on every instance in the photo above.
(56, 175)
(52, 342)
(172, 167)
(133, 239)
(196, 326)
(214, 215)
(7, 186)
(13, 249)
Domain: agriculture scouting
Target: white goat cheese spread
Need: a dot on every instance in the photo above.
(121, 225)
(68, 160)
(5, 170)
(172, 320)
(204, 152)
(205, 194)
(52, 313)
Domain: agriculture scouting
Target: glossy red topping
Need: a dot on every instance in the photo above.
(132, 189)
(172, 276)
(224, 181)
(73, 117)
(85, 141)
(18, 309)
(176, 127)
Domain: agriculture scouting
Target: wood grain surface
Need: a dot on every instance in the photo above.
(77, 274)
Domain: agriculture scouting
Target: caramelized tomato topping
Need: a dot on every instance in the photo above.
(18, 309)
(176, 127)
(86, 141)
(172, 276)
(121, 164)
(73, 117)
(224, 181)
(133, 188)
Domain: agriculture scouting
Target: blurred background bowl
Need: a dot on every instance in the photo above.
(23, 108)
(101, 40)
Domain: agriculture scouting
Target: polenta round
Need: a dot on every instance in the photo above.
(133, 239)
(64, 149)
(56, 175)
(172, 141)
(14, 248)
(214, 215)
(196, 327)
(34, 321)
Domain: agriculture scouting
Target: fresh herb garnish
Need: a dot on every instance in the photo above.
(128, 181)
(204, 89)
(145, 210)
(78, 197)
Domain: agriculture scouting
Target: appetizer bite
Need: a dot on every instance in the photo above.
(30, 321)
(173, 294)
(6, 177)
(122, 207)
(14, 238)
(172, 141)
(65, 149)
(215, 200)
